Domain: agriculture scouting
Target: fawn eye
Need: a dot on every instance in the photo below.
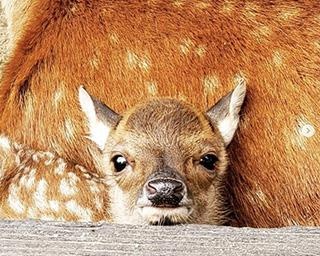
(209, 161)
(119, 162)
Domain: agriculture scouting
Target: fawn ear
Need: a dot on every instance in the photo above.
(225, 113)
(101, 118)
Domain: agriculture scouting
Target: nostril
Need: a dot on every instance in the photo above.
(165, 191)
(177, 186)
(177, 197)
(151, 189)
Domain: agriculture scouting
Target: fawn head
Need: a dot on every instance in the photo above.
(165, 162)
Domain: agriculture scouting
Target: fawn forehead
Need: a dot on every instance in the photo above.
(166, 127)
(164, 116)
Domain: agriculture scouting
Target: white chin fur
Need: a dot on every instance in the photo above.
(156, 214)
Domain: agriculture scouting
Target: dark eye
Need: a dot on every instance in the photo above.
(119, 162)
(209, 161)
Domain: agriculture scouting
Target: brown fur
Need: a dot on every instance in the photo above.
(41, 185)
(154, 136)
(164, 134)
(124, 51)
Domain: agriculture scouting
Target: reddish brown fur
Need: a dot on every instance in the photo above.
(189, 49)
(41, 185)
(162, 135)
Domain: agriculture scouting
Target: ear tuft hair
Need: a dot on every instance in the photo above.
(101, 119)
(225, 113)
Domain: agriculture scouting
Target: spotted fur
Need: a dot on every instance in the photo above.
(126, 51)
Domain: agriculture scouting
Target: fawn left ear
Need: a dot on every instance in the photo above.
(225, 113)
(101, 119)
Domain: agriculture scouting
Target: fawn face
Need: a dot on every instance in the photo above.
(165, 161)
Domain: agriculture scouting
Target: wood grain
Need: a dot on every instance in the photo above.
(54, 238)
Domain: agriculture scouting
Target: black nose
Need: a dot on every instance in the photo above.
(165, 192)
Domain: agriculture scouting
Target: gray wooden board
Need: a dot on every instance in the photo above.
(62, 238)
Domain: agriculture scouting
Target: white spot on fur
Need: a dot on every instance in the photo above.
(57, 97)
(288, 13)
(251, 10)
(98, 130)
(86, 175)
(203, 5)
(35, 158)
(23, 180)
(17, 146)
(49, 157)
(54, 205)
(132, 59)
(69, 129)
(40, 195)
(84, 172)
(136, 61)
(47, 217)
(17, 161)
(93, 186)
(61, 166)
(261, 33)
(29, 110)
(227, 7)
(277, 59)
(182, 97)
(14, 200)
(144, 64)
(26, 170)
(30, 180)
(201, 50)
(32, 213)
(98, 202)
(186, 45)
(178, 3)
(4, 143)
(261, 195)
(152, 88)
(94, 63)
(210, 84)
(292, 222)
(83, 213)
(68, 187)
(114, 38)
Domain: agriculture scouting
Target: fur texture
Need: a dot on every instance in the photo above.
(166, 138)
(162, 139)
(125, 51)
(42, 185)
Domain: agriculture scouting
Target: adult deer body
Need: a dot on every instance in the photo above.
(124, 51)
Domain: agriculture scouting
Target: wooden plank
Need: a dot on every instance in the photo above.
(57, 238)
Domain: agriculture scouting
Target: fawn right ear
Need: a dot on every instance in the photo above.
(101, 118)
(225, 113)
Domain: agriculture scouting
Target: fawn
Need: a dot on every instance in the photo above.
(162, 162)
(127, 51)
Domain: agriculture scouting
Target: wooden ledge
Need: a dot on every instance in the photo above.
(60, 238)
